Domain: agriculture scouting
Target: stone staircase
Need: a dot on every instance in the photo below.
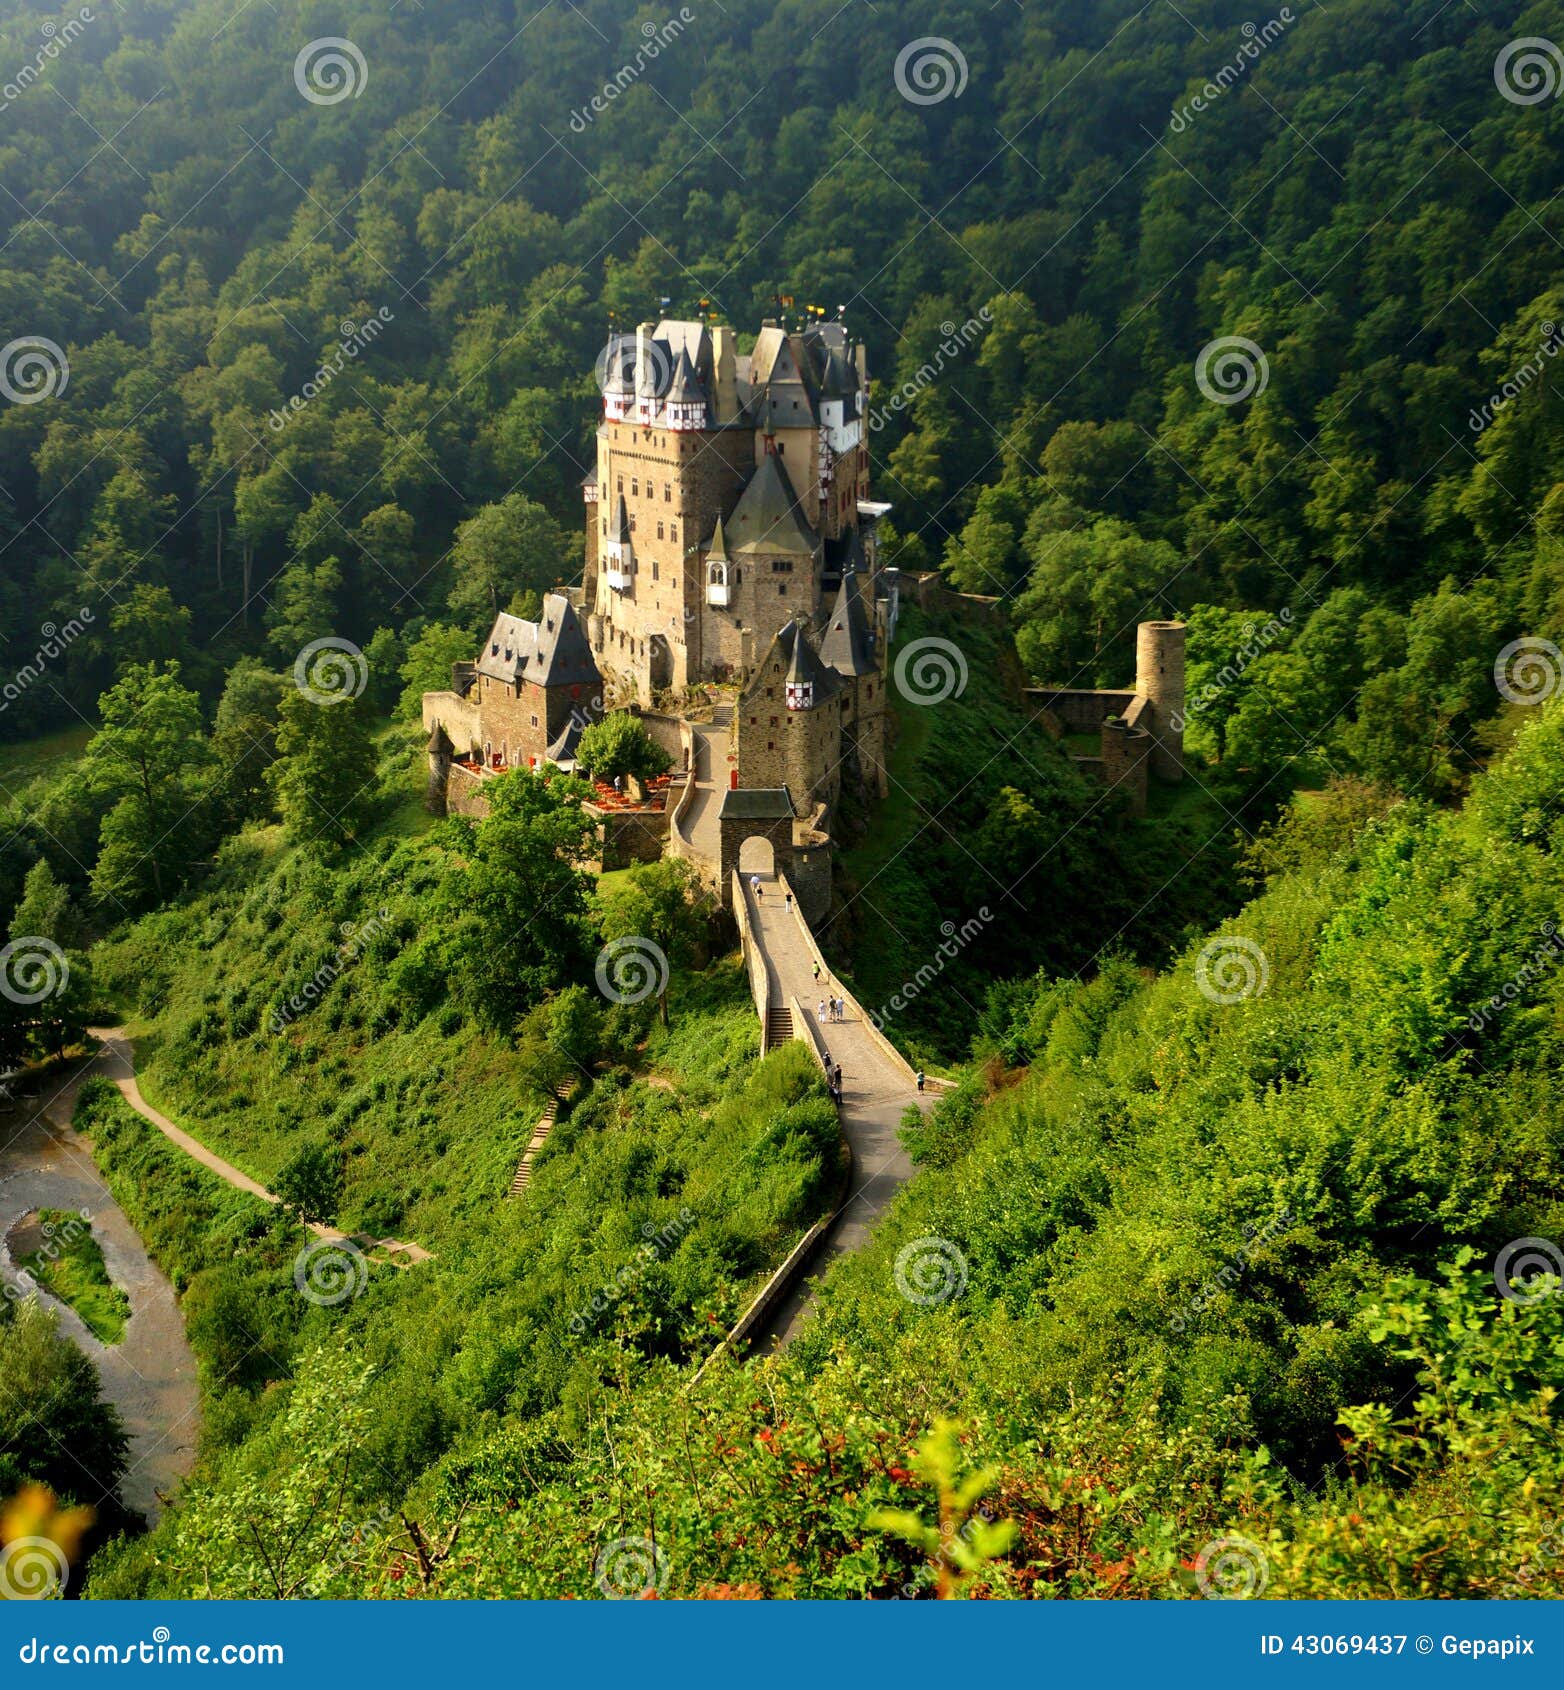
(779, 1026)
(539, 1138)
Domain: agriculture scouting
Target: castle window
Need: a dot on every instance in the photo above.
(773, 721)
(635, 487)
(534, 721)
(771, 745)
(673, 531)
(667, 492)
(659, 531)
(781, 592)
(753, 721)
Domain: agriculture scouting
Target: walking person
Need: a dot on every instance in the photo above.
(788, 900)
(820, 1013)
(920, 1079)
(837, 1076)
(817, 973)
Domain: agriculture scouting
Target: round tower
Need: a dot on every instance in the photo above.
(1159, 679)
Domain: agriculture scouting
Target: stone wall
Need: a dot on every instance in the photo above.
(629, 836)
(458, 716)
(1080, 710)
(465, 794)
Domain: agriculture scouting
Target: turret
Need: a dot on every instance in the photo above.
(717, 569)
(1159, 679)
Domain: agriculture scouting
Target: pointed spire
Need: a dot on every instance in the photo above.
(719, 543)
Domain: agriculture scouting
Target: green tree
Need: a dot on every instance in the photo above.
(311, 1182)
(325, 773)
(665, 903)
(620, 745)
(152, 759)
(509, 548)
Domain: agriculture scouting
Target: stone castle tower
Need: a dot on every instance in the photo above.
(731, 497)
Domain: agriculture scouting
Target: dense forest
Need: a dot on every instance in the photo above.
(1171, 312)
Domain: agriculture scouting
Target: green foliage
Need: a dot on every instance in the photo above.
(325, 772)
(57, 1430)
(311, 1182)
(620, 745)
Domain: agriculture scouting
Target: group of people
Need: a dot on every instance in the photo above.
(833, 1080)
(831, 1009)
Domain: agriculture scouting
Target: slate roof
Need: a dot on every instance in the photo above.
(848, 645)
(756, 804)
(767, 518)
(551, 652)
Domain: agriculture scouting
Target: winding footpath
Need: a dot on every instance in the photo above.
(150, 1375)
(117, 1062)
(877, 1087)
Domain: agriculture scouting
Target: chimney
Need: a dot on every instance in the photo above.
(725, 390)
(645, 373)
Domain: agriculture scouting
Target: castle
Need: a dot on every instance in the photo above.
(733, 598)
(731, 496)
(730, 578)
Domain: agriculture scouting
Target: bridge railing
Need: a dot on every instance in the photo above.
(754, 961)
(876, 1037)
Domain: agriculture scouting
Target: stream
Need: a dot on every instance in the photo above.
(150, 1375)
